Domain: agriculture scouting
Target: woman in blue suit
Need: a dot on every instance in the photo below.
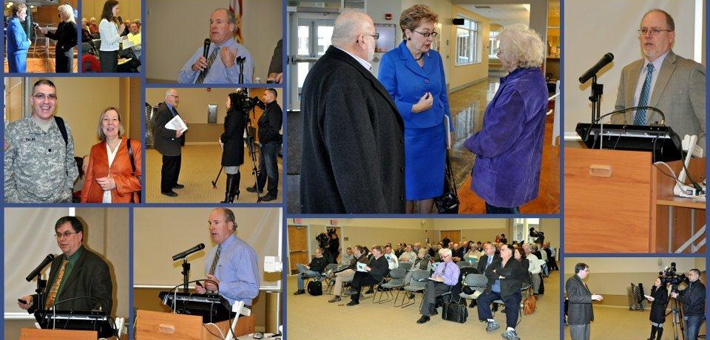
(414, 75)
(17, 41)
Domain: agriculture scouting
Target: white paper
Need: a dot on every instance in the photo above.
(176, 124)
(361, 267)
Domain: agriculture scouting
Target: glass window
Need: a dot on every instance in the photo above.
(467, 49)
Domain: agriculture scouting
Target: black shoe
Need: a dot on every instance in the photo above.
(423, 319)
(170, 193)
(178, 186)
(253, 189)
(369, 291)
(473, 304)
(334, 299)
(352, 303)
(411, 295)
(495, 307)
(299, 292)
(434, 312)
(268, 198)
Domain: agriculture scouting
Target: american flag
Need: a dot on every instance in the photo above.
(235, 6)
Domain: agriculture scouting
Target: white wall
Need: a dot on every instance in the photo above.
(593, 28)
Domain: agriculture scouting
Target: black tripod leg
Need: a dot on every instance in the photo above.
(214, 183)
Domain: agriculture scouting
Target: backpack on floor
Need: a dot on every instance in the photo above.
(315, 288)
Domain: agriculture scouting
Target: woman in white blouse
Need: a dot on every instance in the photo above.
(109, 29)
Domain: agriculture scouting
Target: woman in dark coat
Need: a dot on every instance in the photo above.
(232, 142)
(65, 35)
(659, 299)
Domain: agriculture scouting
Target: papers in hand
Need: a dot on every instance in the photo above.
(176, 124)
(361, 267)
(437, 279)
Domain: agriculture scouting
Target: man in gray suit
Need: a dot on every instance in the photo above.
(580, 312)
(168, 143)
(664, 80)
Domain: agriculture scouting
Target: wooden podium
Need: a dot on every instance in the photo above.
(56, 334)
(617, 202)
(158, 326)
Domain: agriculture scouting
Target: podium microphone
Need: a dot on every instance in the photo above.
(39, 268)
(605, 60)
(189, 251)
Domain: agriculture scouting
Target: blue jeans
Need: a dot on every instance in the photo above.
(308, 273)
(512, 307)
(692, 326)
(491, 209)
(268, 167)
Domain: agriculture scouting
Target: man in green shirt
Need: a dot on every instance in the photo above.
(79, 280)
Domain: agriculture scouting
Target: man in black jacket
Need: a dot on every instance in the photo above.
(168, 143)
(505, 278)
(270, 140)
(371, 274)
(79, 280)
(580, 312)
(353, 141)
(693, 300)
(314, 269)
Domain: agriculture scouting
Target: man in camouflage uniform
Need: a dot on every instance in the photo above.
(39, 165)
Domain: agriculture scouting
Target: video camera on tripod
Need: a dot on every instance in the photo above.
(669, 275)
(538, 235)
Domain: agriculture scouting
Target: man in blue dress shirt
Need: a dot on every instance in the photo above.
(444, 277)
(220, 66)
(231, 268)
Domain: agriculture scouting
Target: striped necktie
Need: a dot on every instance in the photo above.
(210, 60)
(640, 118)
(55, 286)
(216, 259)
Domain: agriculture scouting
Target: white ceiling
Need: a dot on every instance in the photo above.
(501, 14)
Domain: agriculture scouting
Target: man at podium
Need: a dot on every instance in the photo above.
(664, 80)
(79, 280)
(231, 268)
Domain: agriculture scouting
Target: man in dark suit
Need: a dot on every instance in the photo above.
(353, 142)
(580, 313)
(372, 274)
(77, 273)
(168, 143)
(488, 258)
(664, 80)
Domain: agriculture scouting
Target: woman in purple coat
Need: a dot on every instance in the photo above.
(508, 149)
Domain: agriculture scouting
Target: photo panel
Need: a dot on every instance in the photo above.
(244, 271)
(111, 36)
(94, 295)
(365, 269)
(222, 147)
(41, 166)
(618, 293)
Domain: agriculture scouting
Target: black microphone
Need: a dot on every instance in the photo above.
(605, 60)
(206, 48)
(120, 20)
(39, 268)
(189, 251)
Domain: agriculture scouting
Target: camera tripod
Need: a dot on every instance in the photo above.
(677, 319)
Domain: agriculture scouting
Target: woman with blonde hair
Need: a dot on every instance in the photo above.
(508, 149)
(114, 171)
(65, 35)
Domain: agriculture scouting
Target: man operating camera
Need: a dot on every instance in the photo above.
(693, 300)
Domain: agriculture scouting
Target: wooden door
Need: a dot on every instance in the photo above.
(297, 246)
(453, 235)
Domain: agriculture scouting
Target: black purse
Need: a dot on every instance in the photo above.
(455, 311)
(448, 203)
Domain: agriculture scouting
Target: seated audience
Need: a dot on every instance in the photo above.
(359, 255)
(408, 255)
(504, 282)
(441, 281)
(392, 260)
(372, 274)
(314, 269)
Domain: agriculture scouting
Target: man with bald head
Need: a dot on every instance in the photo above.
(168, 143)
(353, 142)
(231, 268)
(664, 80)
(220, 66)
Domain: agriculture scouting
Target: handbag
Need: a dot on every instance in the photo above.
(455, 311)
(448, 203)
(136, 197)
(529, 305)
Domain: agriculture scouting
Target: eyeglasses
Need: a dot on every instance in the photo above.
(41, 96)
(376, 35)
(428, 34)
(654, 31)
(65, 234)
